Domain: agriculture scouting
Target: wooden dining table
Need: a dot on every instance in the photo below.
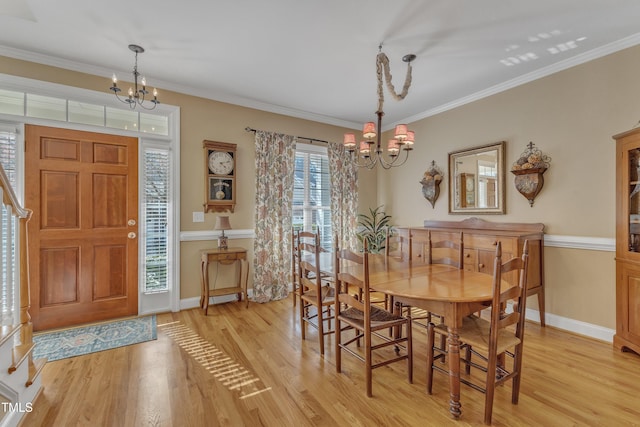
(442, 289)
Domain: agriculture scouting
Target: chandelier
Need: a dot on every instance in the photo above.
(370, 152)
(136, 94)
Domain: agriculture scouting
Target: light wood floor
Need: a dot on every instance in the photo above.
(248, 367)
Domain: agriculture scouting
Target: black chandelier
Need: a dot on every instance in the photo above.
(137, 93)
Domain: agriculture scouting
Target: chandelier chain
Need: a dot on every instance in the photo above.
(382, 67)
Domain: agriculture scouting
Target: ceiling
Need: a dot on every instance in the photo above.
(316, 59)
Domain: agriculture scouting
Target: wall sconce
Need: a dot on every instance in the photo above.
(528, 169)
(431, 183)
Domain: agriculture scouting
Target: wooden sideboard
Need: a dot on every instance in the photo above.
(480, 239)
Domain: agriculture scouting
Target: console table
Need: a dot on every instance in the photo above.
(229, 256)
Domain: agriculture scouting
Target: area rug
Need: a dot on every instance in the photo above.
(93, 338)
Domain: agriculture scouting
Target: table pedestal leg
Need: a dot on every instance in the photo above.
(453, 340)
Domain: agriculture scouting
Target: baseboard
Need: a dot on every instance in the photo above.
(574, 326)
(188, 303)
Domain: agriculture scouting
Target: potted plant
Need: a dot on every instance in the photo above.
(372, 227)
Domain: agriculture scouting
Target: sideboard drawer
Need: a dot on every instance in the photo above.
(488, 242)
(469, 256)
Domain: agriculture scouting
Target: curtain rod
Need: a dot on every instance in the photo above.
(312, 140)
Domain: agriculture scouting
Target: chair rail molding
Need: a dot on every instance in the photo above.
(192, 236)
(580, 242)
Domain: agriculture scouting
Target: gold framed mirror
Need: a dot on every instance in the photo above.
(476, 180)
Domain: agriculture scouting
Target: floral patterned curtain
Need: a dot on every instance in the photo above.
(344, 195)
(275, 163)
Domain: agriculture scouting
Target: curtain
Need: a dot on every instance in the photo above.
(344, 195)
(275, 163)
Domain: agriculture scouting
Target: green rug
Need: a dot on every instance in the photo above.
(90, 339)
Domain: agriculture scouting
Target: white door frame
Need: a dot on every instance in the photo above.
(147, 303)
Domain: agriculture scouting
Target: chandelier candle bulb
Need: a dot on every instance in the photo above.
(369, 130)
(401, 132)
(349, 141)
(411, 136)
(393, 147)
(364, 149)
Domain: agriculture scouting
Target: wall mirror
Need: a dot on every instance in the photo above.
(476, 180)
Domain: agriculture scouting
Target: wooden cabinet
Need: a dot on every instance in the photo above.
(480, 239)
(627, 335)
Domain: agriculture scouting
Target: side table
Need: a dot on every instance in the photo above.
(229, 256)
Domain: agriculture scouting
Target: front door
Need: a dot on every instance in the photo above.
(83, 245)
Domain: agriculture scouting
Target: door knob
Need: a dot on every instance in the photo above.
(131, 222)
(131, 235)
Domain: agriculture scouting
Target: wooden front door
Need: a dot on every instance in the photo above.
(83, 243)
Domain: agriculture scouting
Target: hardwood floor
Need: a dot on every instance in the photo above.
(249, 367)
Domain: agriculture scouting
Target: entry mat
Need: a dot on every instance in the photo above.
(72, 342)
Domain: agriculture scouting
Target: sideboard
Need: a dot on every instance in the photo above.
(480, 239)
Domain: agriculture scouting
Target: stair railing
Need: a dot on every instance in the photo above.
(11, 203)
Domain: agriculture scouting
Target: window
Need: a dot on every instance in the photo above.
(62, 109)
(8, 230)
(155, 210)
(311, 192)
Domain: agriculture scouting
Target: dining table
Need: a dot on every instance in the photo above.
(442, 289)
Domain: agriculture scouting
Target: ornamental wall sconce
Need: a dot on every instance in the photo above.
(529, 170)
(431, 183)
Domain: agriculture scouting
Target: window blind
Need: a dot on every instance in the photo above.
(8, 227)
(156, 209)
(311, 193)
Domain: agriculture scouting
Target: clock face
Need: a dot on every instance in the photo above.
(469, 183)
(221, 162)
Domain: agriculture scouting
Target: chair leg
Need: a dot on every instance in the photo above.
(338, 351)
(409, 352)
(467, 360)
(490, 388)
(430, 343)
(368, 363)
(294, 294)
(517, 367)
(303, 323)
(321, 329)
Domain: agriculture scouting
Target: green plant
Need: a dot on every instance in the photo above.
(372, 227)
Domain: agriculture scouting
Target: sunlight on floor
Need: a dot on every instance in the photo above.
(226, 370)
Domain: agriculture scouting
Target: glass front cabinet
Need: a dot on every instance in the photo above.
(627, 335)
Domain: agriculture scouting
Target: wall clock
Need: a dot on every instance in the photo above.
(220, 176)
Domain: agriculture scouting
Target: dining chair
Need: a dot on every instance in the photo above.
(492, 341)
(446, 251)
(353, 312)
(316, 298)
(442, 251)
(300, 237)
(397, 245)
